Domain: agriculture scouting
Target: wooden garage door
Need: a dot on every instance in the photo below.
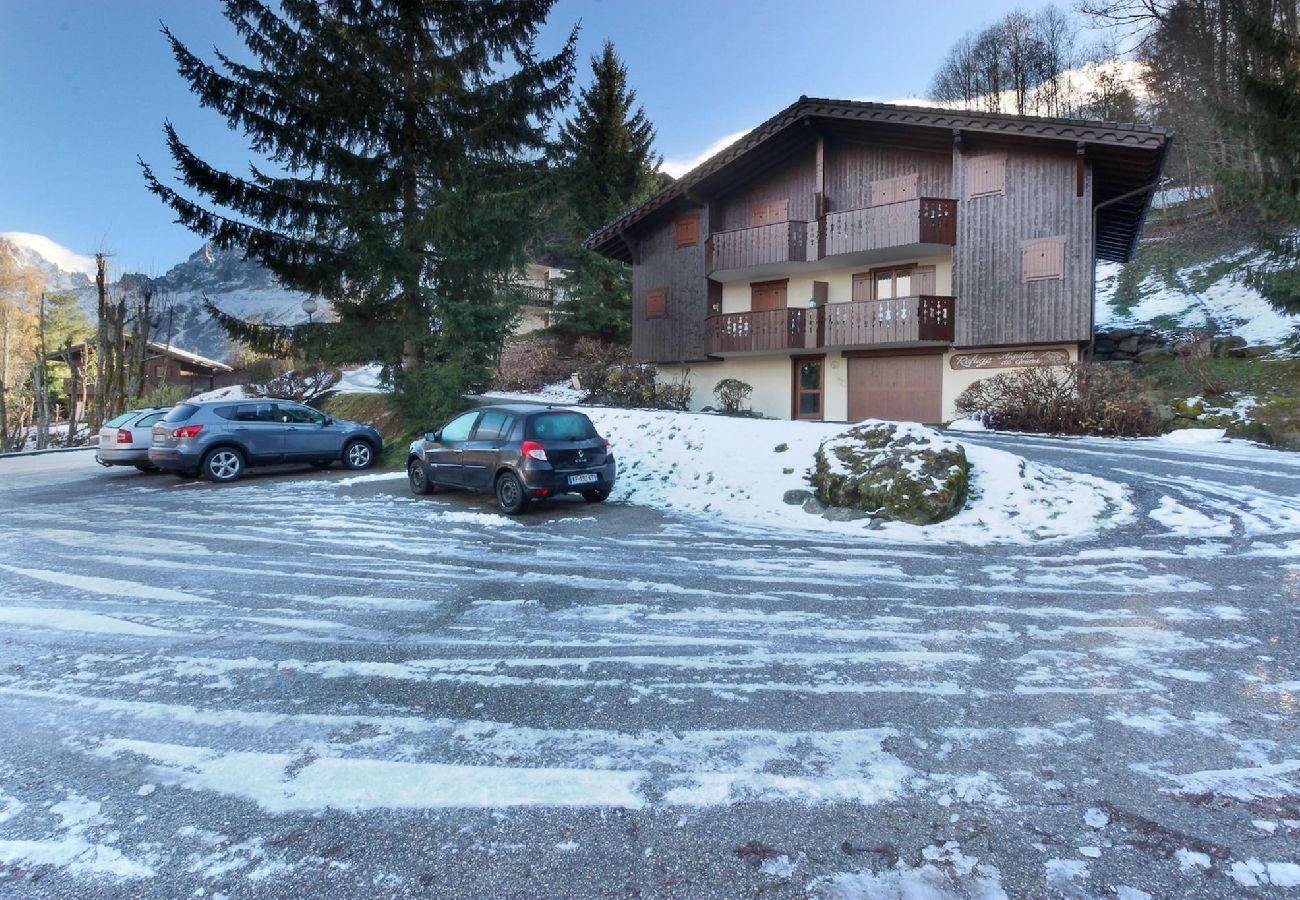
(901, 388)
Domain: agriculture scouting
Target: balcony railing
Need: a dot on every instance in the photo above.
(761, 245)
(902, 320)
(925, 220)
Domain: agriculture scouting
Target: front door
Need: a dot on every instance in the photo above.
(444, 456)
(479, 455)
(809, 387)
(306, 436)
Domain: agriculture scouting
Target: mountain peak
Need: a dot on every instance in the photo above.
(56, 254)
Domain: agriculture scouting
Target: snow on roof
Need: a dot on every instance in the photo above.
(188, 356)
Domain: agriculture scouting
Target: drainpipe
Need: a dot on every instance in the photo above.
(1092, 308)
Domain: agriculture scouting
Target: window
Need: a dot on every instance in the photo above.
(458, 429)
(117, 421)
(808, 387)
(688, 230)
(561, 426)
(769, 213)
(986, 175)
(157, 371)
(227, 412)
(180, 413)
(256, 412)
(886, 284)
(656, 303)
(892, 190)
(149, 420)
(300, 415)
(494, 426)
(1043, 259)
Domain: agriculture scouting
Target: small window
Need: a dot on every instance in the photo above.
(494, 426)
(458, 429)
(180, 413)
(688, 230)
(149, 420)
(656, 303)
(256, 412)
(227, 412)
(1043, 259)
(157, 371)
(986, 175)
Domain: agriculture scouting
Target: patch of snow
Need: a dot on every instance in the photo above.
(53, 252)
(778, 867)
(1193, 436)
(927, 881)
(969, 425)
(1253, 873)
(561, 392)
(362, 380)
(1095, 818)
(232, 392)
(1183, 520)
(375, 476)
(75, 620)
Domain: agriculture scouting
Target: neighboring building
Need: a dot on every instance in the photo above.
(163, 364)
(542, 283)
(854, 260)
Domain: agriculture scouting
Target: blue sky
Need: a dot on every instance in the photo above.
(85, 86)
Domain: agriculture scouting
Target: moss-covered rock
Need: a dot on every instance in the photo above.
(893, 471)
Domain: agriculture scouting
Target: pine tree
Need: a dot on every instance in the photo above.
(607, 166)
(406, 142)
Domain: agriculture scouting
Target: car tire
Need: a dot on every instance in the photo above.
(147, 468)
(222, 465)
(358, 454)
(599, 495)
(512, 499)
(418, 478)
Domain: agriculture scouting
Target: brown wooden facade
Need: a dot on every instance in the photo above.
(827, 183)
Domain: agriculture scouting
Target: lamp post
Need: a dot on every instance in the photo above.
(309, 306)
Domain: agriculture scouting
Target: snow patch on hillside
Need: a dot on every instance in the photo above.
(52, 252)
(1234, 307)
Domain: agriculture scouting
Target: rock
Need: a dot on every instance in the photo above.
(1120, 363)
(1220, 346)
(1155, 354)
(1119, 334)
(1251, 352)
(795, 498)
(1128, 344)
(1103, 345)
(893, 470)
(876, 524)
(845, 514)
(1189, 408)
(814, 506)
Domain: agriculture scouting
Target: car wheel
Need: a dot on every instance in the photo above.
(596, 496)
(223, 464)
(418, 478)
(358, 454)
(510, 494)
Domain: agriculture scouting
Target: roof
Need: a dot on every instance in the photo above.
(1125, 157)
(163, 349)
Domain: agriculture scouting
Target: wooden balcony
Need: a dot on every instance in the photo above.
(761, 245)
(925, 220)
(900, 321)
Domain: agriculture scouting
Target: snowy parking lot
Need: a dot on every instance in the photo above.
(310, 684)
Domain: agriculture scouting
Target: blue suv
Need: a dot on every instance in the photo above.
(218, 439)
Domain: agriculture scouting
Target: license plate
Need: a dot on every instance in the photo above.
(583, 479)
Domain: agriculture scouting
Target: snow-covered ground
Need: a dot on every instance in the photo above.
(1236, 308)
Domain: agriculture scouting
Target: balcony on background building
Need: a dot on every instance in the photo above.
(924, 320)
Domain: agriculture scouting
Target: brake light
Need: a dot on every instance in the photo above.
(533, 450)
(123, 436)
(187, 431)
(606, 440)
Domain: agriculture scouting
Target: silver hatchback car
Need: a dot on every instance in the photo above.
(219, 439)
(124, 440)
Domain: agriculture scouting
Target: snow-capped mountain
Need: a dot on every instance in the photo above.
(236, 285)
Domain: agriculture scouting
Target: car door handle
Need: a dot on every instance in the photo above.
(241, 427)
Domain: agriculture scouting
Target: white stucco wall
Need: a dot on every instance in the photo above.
(957, 380)
(736, 294)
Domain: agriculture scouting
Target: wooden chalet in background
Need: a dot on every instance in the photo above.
(856, 260)
(163, 364)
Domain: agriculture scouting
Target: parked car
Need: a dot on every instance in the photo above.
(519, 453)
(124, 440)
(219, 439)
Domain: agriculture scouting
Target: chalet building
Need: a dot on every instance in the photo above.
(163, 364)
(541, 282)
(855, 260)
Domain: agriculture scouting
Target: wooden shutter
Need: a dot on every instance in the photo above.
(769, 213)
(656, 303)
(767, 295)
(862, 286)
(924, 281)
(893, 190)
(1042, 259)
(986, 175)
(688, 230)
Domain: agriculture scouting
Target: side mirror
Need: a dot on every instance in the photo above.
(433, 437)
(329, 420)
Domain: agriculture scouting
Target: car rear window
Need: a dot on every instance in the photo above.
(561, 426)
(149, 420)
(180, 413)
(118, 420)
(226, 412)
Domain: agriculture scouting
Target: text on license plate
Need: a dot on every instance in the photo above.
(583, 479)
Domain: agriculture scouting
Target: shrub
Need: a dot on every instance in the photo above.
(162, 395)
(305, 383)
(530, 366)
(608, 376)
(732, 394)
(1074, 399)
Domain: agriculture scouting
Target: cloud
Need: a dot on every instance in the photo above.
(677, 166)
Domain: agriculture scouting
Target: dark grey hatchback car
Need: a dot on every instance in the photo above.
(218, 439)
(519, 453)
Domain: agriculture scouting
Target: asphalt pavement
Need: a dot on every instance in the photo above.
(312, 684)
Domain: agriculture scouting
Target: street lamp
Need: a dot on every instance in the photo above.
(309, 306)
